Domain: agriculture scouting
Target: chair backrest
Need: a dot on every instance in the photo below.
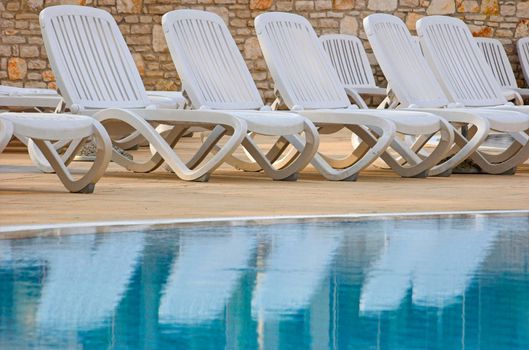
(302, 71)
(90, 59)
(208, 61)
(411, 79)
(498, 61)
(522, 46)
(454, 55)
(349, 59)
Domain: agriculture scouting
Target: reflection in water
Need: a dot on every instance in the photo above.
(204, 276)
(449, 264)
(296, 265)
(86, 282)
(389, 280)
(435, 284)
(437, 265)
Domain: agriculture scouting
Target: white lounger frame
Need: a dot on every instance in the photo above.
(417, 86)
(522, 47)
(23, 99)
(309, 85)
(42, 128)
(215, 77)
(350, 60)
(29, 98)
(478, 87)
(498, 61)
(12, 96)
(96, 75)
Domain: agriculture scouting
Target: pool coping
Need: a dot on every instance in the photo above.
(63, 229)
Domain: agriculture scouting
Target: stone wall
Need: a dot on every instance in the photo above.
(23, 59)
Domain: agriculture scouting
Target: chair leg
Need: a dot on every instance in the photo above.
(520, 153)
(273, 154)
(207, 146)
(375, 147)
(85, 184)
(306, 149)
(466, 147)
(165, 152)
(419, 167)
(130, 141)
(6, 132)
(73, 147)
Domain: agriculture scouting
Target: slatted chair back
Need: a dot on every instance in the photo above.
(498, 61)
(92, 64)
(460, 65)
(522, 47)
(349, 59)
(397, 52)
(211, 67)
(302, 71)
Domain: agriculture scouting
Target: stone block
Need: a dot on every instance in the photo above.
(441, 7)
(17, 68)
(382, 5)
(343, 4)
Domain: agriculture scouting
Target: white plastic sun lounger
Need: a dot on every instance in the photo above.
(350, 60)
(97, 76)
(43, 128)
(32, 98)
(215, 77)
(295, 268)
(522, 47)
(470, 82)
(11, 96)
(204, 276)
(496, 57)
(39, 99)
(86, 280)
(415, 86)
(309, 85)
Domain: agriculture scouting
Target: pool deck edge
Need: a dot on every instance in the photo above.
(45, 230)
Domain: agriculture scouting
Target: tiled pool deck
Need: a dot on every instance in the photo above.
(30, 197)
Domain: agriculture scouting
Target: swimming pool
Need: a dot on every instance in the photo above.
(436, 283)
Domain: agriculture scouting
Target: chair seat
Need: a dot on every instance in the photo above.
(271, 122)
(50, 126)
(406, 121)
(17, 91)
(368, 90)
(505, 118)
(167, 99)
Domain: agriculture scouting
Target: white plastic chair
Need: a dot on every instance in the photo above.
(415, 86)
(43, 128)
(215, 77)
(522, 47)
(36, 98)
(33, 98)
(474, 84)
(309, 85)
(498, 61)
(96, 75)
(350, 60)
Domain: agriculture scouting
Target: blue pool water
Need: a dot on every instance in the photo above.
(390, 284)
